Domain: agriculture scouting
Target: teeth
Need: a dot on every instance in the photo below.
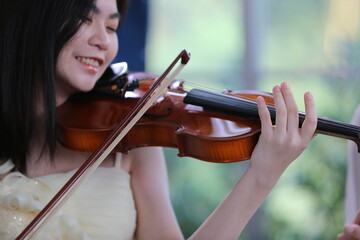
(88, 61)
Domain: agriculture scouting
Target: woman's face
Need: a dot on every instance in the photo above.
(84, 59)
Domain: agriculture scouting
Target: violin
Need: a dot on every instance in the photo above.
(215, 127)
(117, 116)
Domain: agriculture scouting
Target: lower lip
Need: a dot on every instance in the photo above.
(89, 68)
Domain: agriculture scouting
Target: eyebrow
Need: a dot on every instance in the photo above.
(116, 15)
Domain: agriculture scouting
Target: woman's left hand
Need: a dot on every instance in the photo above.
(351, 230)
(282, 143)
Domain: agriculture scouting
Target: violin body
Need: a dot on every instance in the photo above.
(84, 121)
(215, 127)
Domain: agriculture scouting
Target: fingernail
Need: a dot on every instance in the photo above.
(260, 99)
(276, 88)
(285, 85)
(308, 96)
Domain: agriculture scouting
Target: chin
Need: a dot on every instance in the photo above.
(86, 88)
(87, 84)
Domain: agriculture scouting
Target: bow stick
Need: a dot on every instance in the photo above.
(96, 158)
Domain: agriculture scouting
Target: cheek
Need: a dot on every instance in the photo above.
(60, 65)
(113, 49)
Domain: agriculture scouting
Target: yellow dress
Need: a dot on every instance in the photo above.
(102, 208)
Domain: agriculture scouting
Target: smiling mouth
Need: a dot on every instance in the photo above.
(90, 61)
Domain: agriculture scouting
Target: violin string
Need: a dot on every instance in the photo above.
(329, 122)
(335, 124)
(235, 105)
(217, 90)
(192, 84)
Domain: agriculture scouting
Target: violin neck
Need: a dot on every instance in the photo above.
(242, 107)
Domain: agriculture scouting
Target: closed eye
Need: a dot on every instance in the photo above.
(86, 19)
(112, 29)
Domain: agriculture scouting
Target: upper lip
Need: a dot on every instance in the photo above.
(100, 60)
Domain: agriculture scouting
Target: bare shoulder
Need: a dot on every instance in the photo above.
(146, 161)
(149, 177)
(149, 182)
(143, 156)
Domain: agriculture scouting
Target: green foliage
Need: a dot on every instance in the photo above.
(307, 203)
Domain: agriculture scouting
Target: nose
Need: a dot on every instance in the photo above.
(100, 38)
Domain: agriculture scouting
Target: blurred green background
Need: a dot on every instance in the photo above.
(256, 44)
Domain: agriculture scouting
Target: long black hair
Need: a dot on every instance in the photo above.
(32, 34)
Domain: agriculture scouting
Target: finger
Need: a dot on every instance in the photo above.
(264, 114)
(340, 236)
(291, 107)
(353, 230)
(357, 218)
(309, 125)
(280, 108)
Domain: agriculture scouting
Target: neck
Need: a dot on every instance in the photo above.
(241, 107)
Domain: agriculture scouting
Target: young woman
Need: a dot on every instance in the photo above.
(52, 49)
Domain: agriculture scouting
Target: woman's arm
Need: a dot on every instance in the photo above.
(278, 146)
(155, 216)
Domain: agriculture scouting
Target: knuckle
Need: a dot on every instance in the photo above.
(313, 121)
(267, 139)
(296, 143)
(262, 113)
(281, 112)
(293, 111)
(281, 142)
